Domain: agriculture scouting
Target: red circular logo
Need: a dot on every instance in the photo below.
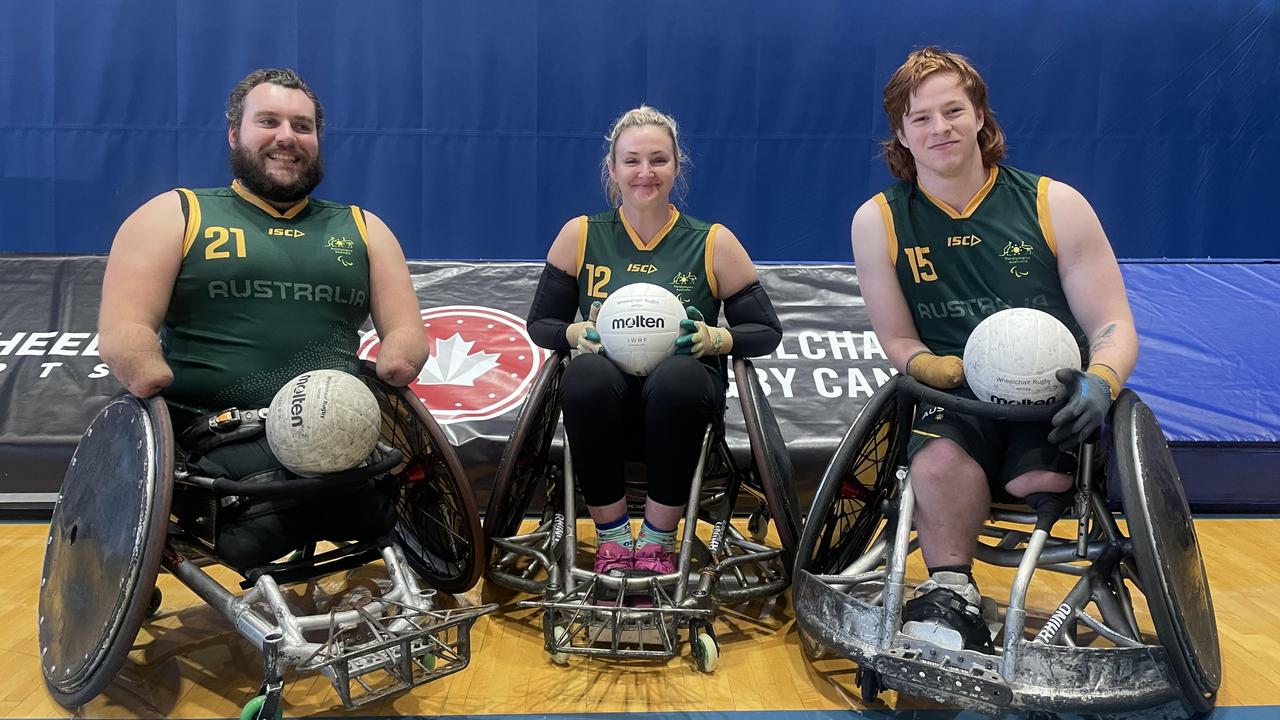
(481, 363)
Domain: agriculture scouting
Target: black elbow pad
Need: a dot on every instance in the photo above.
(555, 303)
(753, 321)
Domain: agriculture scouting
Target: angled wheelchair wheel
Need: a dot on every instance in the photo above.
(439, 527)
(848, 506)
(771, 459)
(525, 463)
(105, 544)
(1170, 565)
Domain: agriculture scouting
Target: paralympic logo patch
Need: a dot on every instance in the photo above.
(481, 365)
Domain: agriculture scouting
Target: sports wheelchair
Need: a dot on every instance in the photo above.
(111, 534)
(851, 567)
(643, 618)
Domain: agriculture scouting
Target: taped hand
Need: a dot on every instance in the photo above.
(942, 372)
(583, 335)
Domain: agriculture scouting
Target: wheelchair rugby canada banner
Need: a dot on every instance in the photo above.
(482, 363)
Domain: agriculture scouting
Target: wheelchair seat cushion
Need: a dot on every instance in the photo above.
(949, 607)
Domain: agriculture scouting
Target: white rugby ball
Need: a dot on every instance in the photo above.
(323, 421)
(638, 326)
(1011, 357)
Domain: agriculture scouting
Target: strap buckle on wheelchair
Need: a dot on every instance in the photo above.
(225, 421)
(222, 427)
(231, 419)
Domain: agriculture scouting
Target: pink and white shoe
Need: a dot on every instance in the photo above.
(653, 559)
(613, 559)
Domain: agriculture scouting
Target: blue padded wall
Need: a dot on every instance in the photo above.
(474, 128)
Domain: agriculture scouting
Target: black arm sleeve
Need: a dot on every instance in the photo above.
(753, 321)
(555, 304)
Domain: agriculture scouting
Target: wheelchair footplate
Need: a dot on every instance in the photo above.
(377, 646)
(382, 656)
(1129, 682)
(641, 624)
(966, 678)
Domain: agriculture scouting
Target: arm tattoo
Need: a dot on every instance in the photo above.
(1104, 338)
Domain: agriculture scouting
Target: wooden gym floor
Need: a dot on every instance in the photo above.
(188, 663)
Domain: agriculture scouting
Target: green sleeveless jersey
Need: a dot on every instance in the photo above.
(956, 268)
(611, 255)
(262, 296)
(679, 258)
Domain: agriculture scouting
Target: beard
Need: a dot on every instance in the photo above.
(250, 170)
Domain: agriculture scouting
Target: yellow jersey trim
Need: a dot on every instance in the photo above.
(581, 257)
(891, 235)
(926, 434)
(974, 202)
(1042, 212)
(358, 216)
(193, 221)
(265, 206)
(708, 259)
(662, 233)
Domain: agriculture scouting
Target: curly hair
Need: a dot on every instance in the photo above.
(284, 77)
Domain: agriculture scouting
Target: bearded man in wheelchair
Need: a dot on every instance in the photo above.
(205, 334)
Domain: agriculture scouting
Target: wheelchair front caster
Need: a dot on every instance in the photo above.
(868, 684)
(153, 605)
(561, 634)
(253, 709)
(706, 652)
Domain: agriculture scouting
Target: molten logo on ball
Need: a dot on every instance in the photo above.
(639, 321)
(297, 399)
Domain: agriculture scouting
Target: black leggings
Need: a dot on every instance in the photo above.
(611, 417)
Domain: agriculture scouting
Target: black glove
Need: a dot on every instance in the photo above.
(1084, 413)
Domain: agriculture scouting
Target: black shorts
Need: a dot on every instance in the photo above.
(1004, 450)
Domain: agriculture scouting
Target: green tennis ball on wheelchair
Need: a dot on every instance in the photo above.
(1012, 356)
(323, 421)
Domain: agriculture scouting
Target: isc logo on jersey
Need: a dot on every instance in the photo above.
(481, 365)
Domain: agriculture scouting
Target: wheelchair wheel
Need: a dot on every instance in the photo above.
(525, 462)
(849, 503)
(1168, 556)
(438, 528)
(106, 539)
(771, 459)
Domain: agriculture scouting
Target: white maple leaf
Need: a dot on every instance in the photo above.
(453, 363)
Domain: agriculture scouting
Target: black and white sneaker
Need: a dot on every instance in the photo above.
(948, 611)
